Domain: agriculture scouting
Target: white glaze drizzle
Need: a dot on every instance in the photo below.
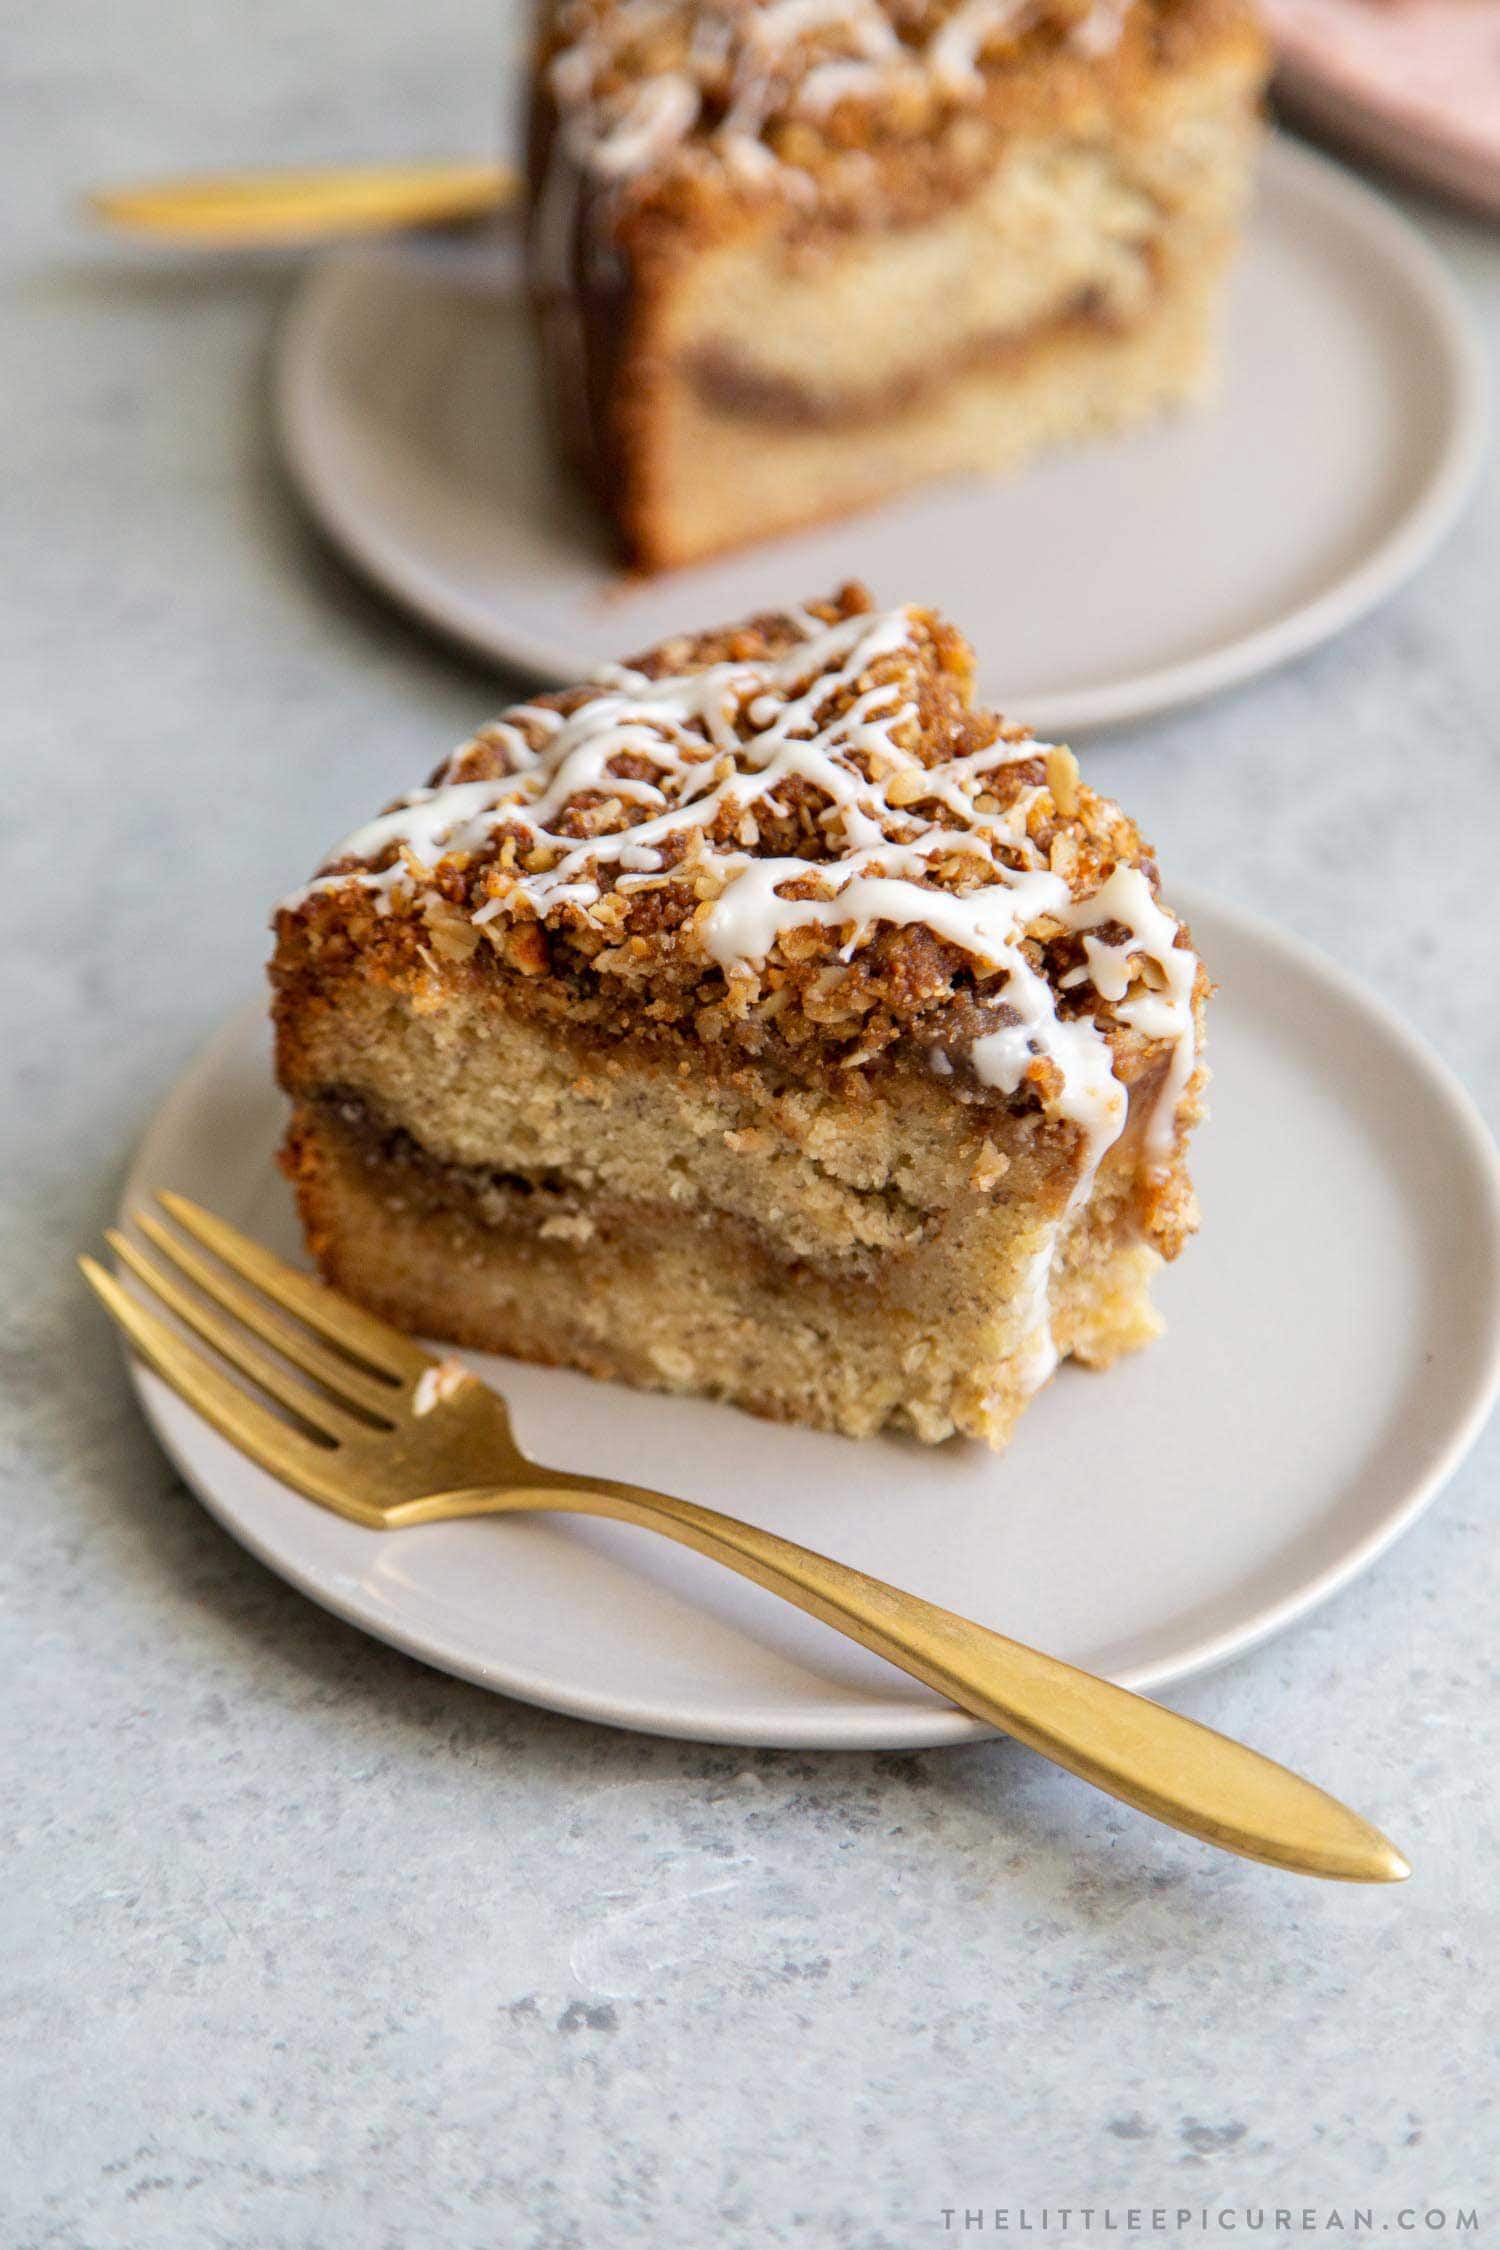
(1101, 27)
(660, 113)
(954, 48)
(1036, 1360)
(719, 744)
(799, 57)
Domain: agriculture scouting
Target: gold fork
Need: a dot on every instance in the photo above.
(225, 210)
(380, 1431)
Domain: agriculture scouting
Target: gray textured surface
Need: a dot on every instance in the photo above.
(305, 1945)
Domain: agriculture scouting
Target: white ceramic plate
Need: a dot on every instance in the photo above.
(1334, 1344)
(1103, 585)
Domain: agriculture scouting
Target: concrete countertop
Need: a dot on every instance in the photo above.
(303, 1944)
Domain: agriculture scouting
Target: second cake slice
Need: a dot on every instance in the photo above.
(790, 256)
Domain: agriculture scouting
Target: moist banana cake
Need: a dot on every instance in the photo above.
(762, 1018)
(789, 256)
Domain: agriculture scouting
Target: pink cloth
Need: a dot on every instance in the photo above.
(1430, 65)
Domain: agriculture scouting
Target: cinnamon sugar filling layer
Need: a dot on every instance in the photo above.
(550, 1209)
(725, 380)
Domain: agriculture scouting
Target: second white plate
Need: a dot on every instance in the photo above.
(1103, 585)
(1332, 1348)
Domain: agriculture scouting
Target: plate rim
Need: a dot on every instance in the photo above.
(1402, 550)
(863, 1726)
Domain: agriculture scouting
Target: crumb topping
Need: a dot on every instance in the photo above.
(803, 827)
(656, 122)
(750, 84)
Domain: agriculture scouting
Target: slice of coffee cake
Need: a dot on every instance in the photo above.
(760, 1019)
(789, 256)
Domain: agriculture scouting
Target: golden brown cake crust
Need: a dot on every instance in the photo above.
(630, 953)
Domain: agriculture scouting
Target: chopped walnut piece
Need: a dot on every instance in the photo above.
(1062, 780)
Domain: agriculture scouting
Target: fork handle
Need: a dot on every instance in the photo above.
(232, 208)
(1141, 1752)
